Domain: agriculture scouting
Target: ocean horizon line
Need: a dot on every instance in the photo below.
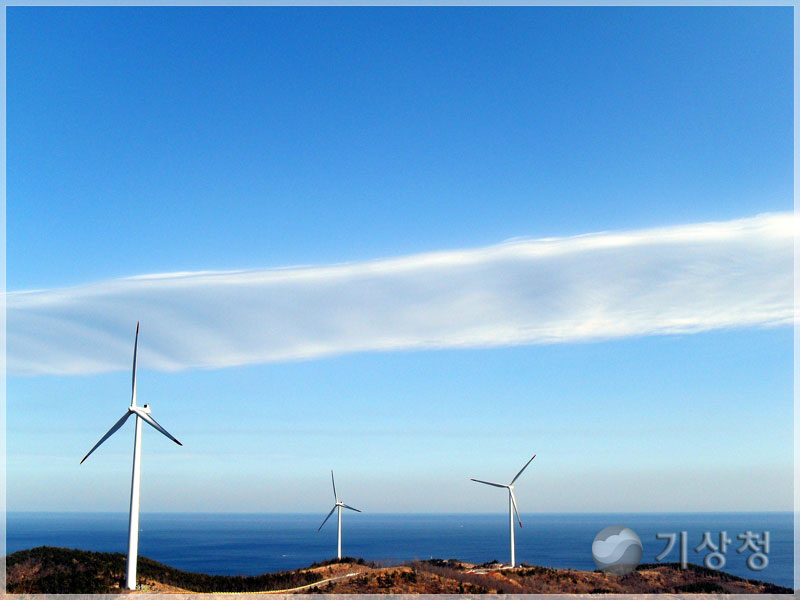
(426, 513)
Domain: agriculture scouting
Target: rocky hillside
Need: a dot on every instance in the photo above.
(63, 571)
(60, 571)
(456, 577)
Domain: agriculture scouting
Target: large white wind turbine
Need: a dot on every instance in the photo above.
(512, 504)
(142, 414)
(339, 505)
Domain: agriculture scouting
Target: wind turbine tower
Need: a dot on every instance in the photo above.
(338, 506)
(142, 413)
(512, 504)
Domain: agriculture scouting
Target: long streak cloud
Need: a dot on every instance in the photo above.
(682, 279)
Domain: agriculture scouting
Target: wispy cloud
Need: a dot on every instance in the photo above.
(528, 291)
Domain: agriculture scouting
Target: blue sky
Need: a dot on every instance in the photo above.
(650, 368)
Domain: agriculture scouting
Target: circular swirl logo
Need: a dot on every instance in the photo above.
(617, 550)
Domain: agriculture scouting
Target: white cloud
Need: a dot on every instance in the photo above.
(528, 291)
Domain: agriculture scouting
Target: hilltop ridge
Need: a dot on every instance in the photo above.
(59, 571)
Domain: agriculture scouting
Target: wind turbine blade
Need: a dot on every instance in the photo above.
(133, 377)
(150, 420)
(514, 502)
(328, 517)
(522, 469)
(350, 507)
(111, 431)
(335, 497)
(500, 485)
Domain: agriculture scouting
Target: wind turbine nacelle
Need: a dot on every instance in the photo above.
(143, 409)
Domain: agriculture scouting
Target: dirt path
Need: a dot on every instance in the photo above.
(294, 589)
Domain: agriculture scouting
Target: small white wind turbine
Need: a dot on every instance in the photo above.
(142, 414)
(512, 504)
(339, 505)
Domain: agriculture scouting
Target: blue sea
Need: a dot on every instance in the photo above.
(249, 544)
